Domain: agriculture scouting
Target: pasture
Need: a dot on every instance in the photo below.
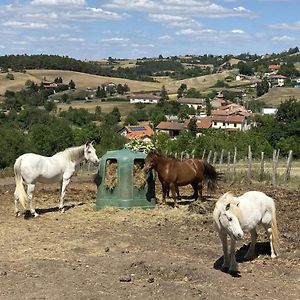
(163, 253)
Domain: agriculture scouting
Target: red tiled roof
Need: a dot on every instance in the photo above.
(137, 131)
(145, 96)
(170, 126)
(229, 119)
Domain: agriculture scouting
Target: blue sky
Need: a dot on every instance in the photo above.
(95, 29)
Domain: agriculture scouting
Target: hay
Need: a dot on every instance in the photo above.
(111, 174)
(139, 176)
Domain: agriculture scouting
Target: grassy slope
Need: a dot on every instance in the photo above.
(275, 95)
(83, 81)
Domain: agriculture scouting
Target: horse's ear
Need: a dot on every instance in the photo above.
(238, 204)
(227, 206)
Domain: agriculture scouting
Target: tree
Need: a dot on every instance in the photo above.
(101, 92)
(288, 111)
(192, 127)
(72, 85)
(163, 95)
(98, 113)
(10, 76)
(50, 106)
(181, 90)
(208, 107)
(245, 68)
(131, 120)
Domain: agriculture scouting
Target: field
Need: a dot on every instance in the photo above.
(106, 107)
(84, 81)
(275, 95)
(163, 253)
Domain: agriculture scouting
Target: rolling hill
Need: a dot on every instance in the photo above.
(275, 95)
(83, 80)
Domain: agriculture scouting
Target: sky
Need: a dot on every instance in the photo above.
(97, 29)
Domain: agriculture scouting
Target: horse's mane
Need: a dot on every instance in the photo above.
(73, 153)
(228, 198)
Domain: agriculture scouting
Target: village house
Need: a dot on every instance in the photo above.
(131, 132)
(196, 103)
(173, 129)
(202, 123)
(144, 98)
(276, 80)
(49, 84)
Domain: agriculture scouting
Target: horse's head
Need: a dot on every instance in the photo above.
(150, 161)
(230, 222)
(90, 153)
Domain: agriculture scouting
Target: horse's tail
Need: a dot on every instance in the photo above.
(210, 176)
(275, 234)
(20, 191)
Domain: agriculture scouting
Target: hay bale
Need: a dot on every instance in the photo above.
(139, 176)
(111, 174)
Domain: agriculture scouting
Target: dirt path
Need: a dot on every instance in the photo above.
(162, 253)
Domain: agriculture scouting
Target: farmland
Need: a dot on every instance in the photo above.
(163, 253)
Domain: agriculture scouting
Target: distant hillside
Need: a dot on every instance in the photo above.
(275, 95)
(83, 81)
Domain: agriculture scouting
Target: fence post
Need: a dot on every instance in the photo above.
(193, 153)
(209, 155)
(249, 163)
(287, 172)
(221, 157)
(274, 168)
(203, 154)
(215, 157)
(234, 160)
(181, 156)
(228, 162)
(262, 166)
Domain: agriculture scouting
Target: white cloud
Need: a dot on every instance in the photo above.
(180, 7)
(283, 38)
(58, 2)
(173, 21)
(28, 25)
(238, 31)
(286, 26)
(115, 39)
(165, 38)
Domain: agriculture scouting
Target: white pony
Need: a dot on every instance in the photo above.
(30, 168)
(235, 215)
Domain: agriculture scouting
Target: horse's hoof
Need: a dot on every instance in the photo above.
(62, 210)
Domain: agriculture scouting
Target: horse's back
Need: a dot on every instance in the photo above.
(257, 199)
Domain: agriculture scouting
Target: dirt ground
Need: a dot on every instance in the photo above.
(163, 253)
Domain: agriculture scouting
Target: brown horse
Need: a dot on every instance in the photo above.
(173, 173)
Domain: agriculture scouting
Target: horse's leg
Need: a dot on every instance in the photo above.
(226, 261)
(200, 187)
(64, 185)
(266, 222)
(195, 188)
(30, 189)
(251, 251)
(16, 197)
(233, 264)
(165, 192)
(173, 191)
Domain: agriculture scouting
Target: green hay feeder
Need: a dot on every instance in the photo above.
(122, 183)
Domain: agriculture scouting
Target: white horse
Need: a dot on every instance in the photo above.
(30, 168)
(235, 215)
